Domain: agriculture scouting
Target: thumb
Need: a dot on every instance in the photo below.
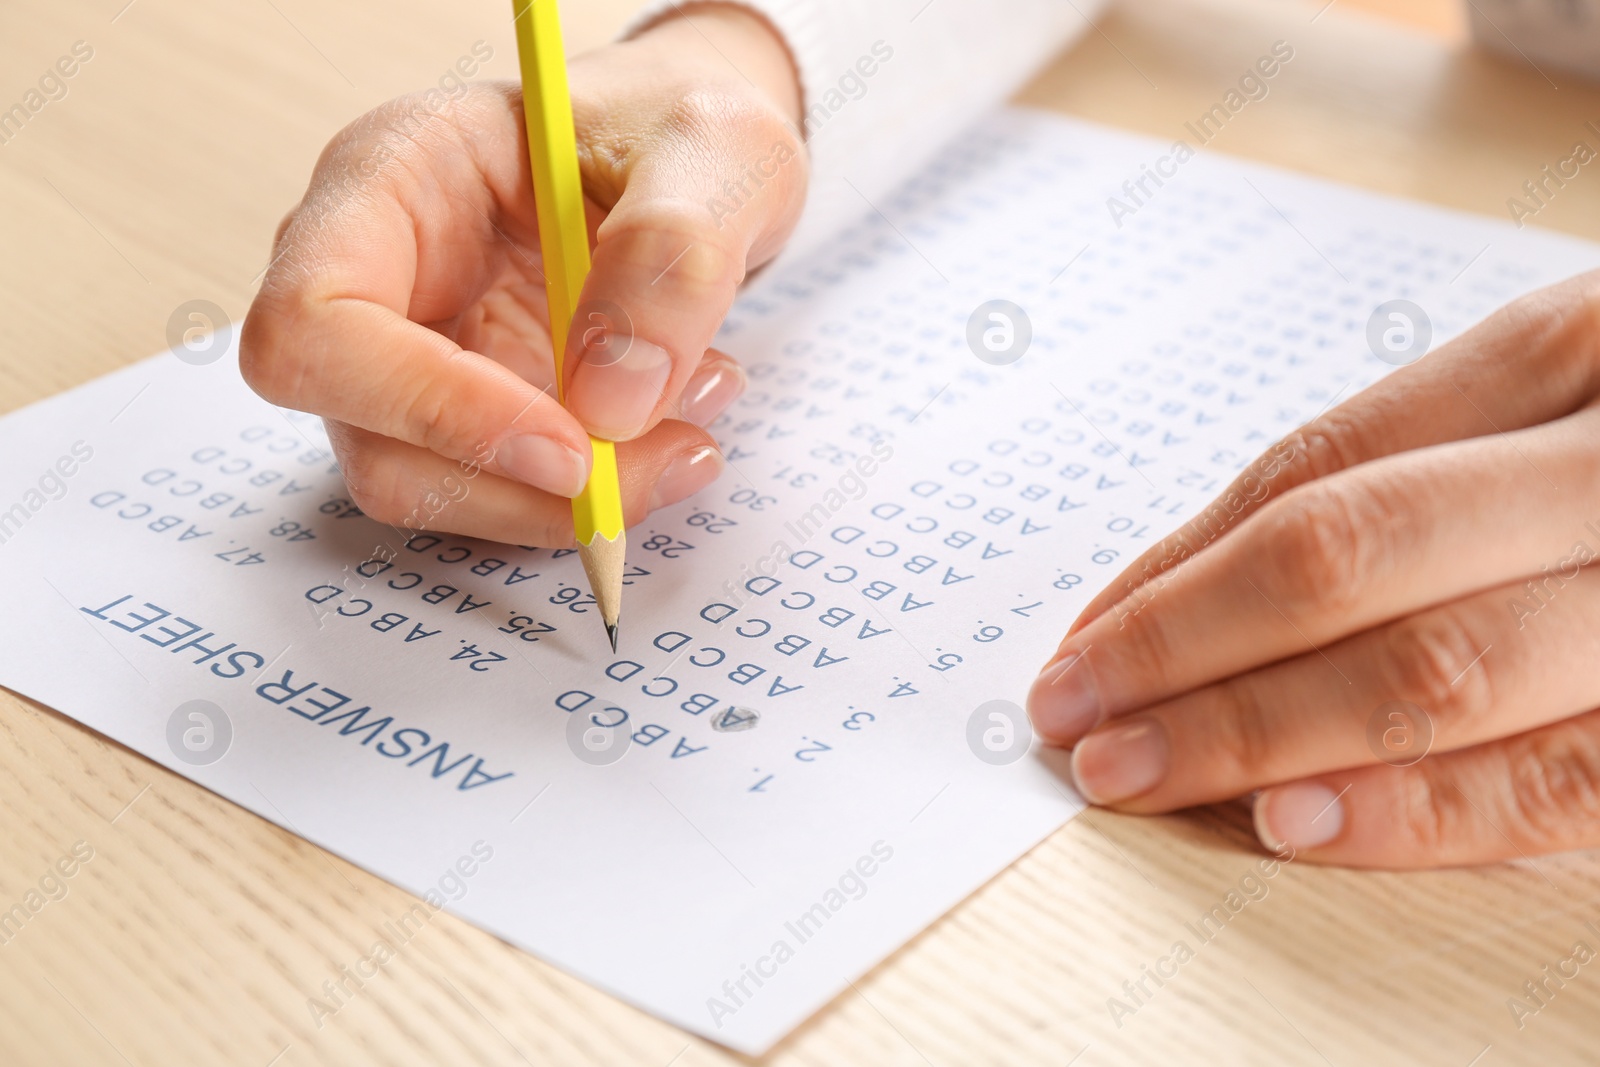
(709, 201)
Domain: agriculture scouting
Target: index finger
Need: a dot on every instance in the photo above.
(671, 254)
(1326, 560)
(1467, 388)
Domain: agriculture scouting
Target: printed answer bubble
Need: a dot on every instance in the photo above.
(603, 332)
(1399, 733)
(596, 745)
(198, 332)
(998, 732)
(999, 332)
(731, 719)
(199, 732)
(1399, 332)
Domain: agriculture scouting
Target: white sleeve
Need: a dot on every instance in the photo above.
(886, 83)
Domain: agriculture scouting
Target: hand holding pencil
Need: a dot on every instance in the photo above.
(405, 300)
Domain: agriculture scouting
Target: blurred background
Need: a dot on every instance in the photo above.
(1447, 18)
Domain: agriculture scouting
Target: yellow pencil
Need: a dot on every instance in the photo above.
(564, 237)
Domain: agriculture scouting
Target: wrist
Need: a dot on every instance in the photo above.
(737, 40)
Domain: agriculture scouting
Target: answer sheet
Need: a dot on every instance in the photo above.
(809, 745)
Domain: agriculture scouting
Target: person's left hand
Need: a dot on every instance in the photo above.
(1408, 568)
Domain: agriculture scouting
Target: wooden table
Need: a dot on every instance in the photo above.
(197, 931)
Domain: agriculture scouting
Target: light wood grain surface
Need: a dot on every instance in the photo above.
(196, 932)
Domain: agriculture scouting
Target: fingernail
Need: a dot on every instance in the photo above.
(1301, 815)
(614, 396)
(1063, 703)
(713, 387)
(543, 463)
(1121, 762)
(686, 475)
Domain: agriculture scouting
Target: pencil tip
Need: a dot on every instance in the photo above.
(611, 632)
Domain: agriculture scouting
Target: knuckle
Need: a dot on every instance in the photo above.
(1557, 322)
(426, 118)
(735, 151)
(1313, 452)
(1554, 778)
(1145, 651)
(1557, 329)
(721, 120)
(1428, 659)
(1312, 552)
(429, 417)
(1433, 811)
(710, 150)
(1242, 734)
(407, 134)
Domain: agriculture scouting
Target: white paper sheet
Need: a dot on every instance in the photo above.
(730, 880)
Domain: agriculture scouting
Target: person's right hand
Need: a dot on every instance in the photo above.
(405, 301)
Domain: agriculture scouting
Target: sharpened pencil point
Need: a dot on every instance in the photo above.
(603, 563)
